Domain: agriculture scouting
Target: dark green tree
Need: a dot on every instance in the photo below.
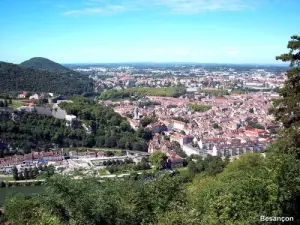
(287, 108)
(20, 176)
(30, 173)
(26, 174)
(15, 173)
(2, 185)
(147, 120)
(35, 172)
(158, 159)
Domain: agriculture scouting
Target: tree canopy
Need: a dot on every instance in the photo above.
(287, 108)
(199, 108)
(43, 63)
(141, 92)
(158, 159)
(31, 131)
(67, 82)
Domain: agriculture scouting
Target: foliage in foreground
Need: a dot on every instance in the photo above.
(248, 188)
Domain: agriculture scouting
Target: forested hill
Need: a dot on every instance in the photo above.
(67, 82)
(42, 63)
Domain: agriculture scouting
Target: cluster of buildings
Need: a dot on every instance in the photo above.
(30, 160)
(233, 125)
(189, 76)
(66, 162)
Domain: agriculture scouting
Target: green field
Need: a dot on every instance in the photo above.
(16, 104)
(6, 178)
(102, 172)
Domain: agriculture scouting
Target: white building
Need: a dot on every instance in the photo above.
(178, 125)
(70, 119)
(35, 96)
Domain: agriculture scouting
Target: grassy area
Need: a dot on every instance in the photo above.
(182, 170)
(16, 104)
(135, 171)
(102, 172)
(50, 106)
(146, 171)
(6, 178)
(142, 91)
(117, 153)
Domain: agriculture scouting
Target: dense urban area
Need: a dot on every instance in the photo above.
(149, 143)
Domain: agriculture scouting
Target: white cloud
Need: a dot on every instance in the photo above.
(174, 6)
(97, 10)
(198, 6)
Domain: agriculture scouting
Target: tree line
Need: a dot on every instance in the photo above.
(31, 131)
(66, 82)
(141, 92)
(199, 108)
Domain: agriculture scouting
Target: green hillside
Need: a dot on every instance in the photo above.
(42, 63)
(17, 78)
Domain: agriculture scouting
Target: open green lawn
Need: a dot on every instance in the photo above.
(16, 104)
(135, 171)
(106, 149)
(102, 172)
(116, 151)
(7, 178)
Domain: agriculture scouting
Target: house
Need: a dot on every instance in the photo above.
(191, 150)
(157, 144)
(178, 125)
(23, 95)
(181, 139)
(157, 127)
(35, 96)
(174, 160)
(70, 119)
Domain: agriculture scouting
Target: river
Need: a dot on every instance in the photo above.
(27, 190)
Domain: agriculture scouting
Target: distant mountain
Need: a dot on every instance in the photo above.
(61, 81)
(42, 63)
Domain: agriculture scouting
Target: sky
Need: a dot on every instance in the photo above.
(107, 31)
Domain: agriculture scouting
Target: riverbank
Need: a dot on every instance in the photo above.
(20, 183)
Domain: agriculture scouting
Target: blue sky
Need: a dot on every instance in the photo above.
(96, 31)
